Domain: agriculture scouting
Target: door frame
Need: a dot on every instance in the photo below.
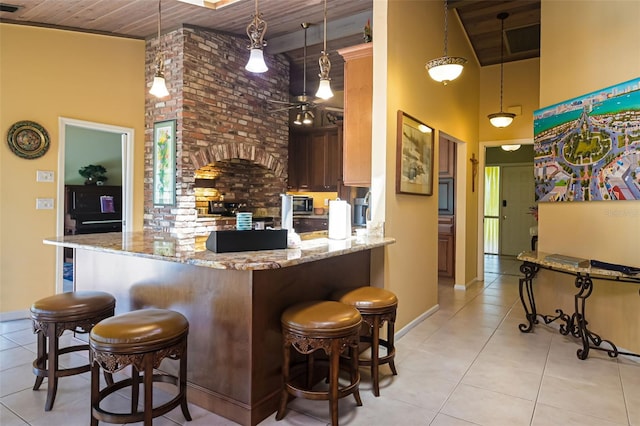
(482, 162)
(127, 147)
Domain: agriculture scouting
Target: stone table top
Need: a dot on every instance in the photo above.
(192, 250)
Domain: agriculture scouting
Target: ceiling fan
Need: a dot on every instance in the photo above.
(303, 103)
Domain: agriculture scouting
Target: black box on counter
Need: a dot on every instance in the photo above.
(232, 241)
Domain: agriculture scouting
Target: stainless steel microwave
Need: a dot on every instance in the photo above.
(302, 204)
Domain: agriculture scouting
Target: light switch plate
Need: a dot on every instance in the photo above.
(44, 176)
(44, 203)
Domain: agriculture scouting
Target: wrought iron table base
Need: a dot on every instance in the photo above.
(574, 324)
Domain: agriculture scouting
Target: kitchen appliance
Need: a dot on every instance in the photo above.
(226, 208)
(302, 204)
(360, 207)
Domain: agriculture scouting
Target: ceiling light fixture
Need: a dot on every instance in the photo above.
(502, 119)
(159, 86)
(446, 68)
(305, 116)
(508, 148)
(256, 30)
(324, 88)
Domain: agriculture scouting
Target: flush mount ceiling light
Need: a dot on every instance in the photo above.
(445, 68)
(256, 30)
(510, 147)
(502, 119)
(324, 88)
(159, 86)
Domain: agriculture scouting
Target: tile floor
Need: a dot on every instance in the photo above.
(467, 364)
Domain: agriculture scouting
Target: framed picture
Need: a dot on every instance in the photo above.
(164, 163)
(414, 158)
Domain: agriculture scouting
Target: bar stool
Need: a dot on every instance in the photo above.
(141, 339)
(376, 306)
(328, 325)
(76, 311)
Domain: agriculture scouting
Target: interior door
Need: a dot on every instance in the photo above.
(517, 187)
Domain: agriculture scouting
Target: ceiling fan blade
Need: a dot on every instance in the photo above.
(273, 101)
(330, 108)
(282, 109)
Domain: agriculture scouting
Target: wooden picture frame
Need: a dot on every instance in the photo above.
(164, 163)
(414, 156)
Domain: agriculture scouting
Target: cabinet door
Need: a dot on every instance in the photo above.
(299, 157)
(317, 161)
(358, 98)
(334, 159)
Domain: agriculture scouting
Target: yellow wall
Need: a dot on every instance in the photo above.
(521, 88)
(415, 35)
(46, 74)
(596, 48)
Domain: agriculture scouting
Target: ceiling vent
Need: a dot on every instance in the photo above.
(4, 7)
(523, 39)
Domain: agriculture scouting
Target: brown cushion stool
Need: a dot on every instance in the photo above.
(376, 306)
(141, 339)
(76, 311)
(327, 325)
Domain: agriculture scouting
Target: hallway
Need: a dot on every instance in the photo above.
(467, 364)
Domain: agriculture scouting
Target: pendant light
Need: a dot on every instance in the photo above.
(501, 119)
(256, 30)
(445, 68)
(159, 86)
(305, 116)
(324, 88)
(510, 148)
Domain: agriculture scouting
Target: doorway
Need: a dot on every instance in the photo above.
(123, 138)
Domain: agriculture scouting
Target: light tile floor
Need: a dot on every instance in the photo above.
(467, 364)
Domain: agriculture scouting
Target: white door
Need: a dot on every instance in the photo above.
(517, 187)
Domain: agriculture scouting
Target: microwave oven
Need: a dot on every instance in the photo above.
(302, 204)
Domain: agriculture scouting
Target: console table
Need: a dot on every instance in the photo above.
(576, 322)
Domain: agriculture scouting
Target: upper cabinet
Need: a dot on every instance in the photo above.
(358, 98)
(315, 159)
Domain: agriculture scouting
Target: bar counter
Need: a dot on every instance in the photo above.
(233, 302)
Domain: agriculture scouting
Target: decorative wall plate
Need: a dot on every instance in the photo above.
(28, 139)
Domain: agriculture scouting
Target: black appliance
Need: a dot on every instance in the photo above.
(360, 206)
(302, 204)
(224, 208)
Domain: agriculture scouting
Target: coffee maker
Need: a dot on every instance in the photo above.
(360, 206)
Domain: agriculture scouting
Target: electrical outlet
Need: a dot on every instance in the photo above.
(44, 176)
(44, 203)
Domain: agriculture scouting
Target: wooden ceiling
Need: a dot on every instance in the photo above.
(346, 20)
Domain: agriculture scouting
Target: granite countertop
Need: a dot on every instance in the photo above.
(540, 258)
(192, 250)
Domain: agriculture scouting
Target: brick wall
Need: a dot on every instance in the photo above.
(222, 128)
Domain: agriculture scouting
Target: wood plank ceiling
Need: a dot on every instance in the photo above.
(346, 20)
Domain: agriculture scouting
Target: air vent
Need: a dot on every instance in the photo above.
(523, 39)
(4, 7)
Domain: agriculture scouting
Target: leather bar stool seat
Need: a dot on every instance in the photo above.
(308, 327)
(76, 311)
(376, 305)
(141, 339)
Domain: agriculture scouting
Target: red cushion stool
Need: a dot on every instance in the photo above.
(76, 311)
(328, 325)
(141, 339)
(376, 305)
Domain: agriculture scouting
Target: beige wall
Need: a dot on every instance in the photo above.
(521, 88)
(44, 75)
(415, 35)
(578, 56)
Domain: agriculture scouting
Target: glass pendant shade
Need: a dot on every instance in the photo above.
(510, 147)
(501, 119)
(308, 118)
(298, 120)
(324, 90)
(445, 69)
(159, 87)
(256, 62)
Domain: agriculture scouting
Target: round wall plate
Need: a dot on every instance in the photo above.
(28, 139)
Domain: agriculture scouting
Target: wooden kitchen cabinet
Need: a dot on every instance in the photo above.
(446, 246)
(315, 159)
(358, 99)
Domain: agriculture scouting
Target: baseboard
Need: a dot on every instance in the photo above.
(466, 285)
(404, 330)
(14, 315)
